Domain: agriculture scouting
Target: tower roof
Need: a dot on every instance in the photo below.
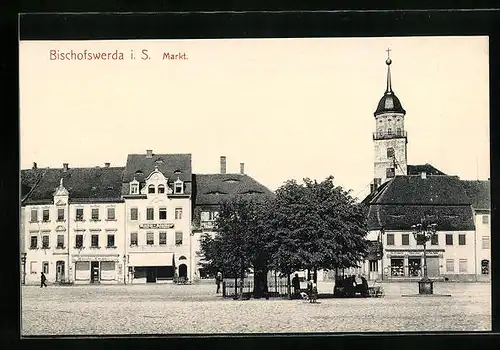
(389, 102)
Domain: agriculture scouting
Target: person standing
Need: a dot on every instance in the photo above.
(218, 280)
(42, 280)
(310, 290)
(296, 285)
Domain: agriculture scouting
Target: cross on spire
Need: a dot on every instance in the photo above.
(388, 52)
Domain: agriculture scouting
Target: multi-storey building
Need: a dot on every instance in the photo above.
(402, 195)
(131, 224)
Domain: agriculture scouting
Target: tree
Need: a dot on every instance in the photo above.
(316, 226)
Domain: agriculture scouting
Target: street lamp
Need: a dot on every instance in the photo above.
(423, 233)
(23, 261)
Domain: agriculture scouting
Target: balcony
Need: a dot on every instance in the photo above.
(381, 135)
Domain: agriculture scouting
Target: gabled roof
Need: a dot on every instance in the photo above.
(213, 189)
(29, 179)
(83, 184)
(423, 168)
(405, 200)
(170, 165)
(478, 192)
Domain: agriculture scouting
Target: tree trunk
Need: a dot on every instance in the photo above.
(315, 276)
(289, 287)
(236, 286)
(260, 282)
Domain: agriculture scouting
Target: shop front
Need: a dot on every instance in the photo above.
(151, 267)
(410, 264)
(97, 269)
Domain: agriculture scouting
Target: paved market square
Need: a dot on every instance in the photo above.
(196, 309)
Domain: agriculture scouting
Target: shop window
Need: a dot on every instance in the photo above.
(163, 213)
(450, 265)
(390, 239)
(107, 271)
(82, 270)
(462, 265)
(414, 267)
(134, 214)
(397, 268)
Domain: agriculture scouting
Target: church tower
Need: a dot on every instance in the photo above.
(389, 138)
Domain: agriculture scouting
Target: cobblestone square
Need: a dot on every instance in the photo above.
(197, 309)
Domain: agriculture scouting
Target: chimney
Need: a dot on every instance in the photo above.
(65, 167)
(423, 175)
(372, 188)
(106, 165)
(242, 168)
(149, 153)
(34, 166)
(222, 164)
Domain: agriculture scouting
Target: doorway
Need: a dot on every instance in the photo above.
(60, 271)
(183, 270)
(151, 275)
(94, 272)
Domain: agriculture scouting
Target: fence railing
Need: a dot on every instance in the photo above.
(275, 288)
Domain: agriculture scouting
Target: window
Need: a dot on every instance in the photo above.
(94, 241)
(485, 242)
(163, 213)
(45, 267)
(45, 241)
(449, 239)
(390, 152)
(486, 219)
(34, 215)
(134, 214)
(389, 172)
(95, 213)
(373, 266)
(450, 265)
(485, 267)
(33, 267)
(79, 241)
(79, 214)
(399, 131)
(151, 189)
(111, 241)
(60, 214)
(390, 239)
(111, 213)
(178, 213)
(405, 239)
(178, 238)
(133, 238)
(45, 214)
(163, 238)
(134, 188)
(34, 242)
(434, 240)
(461, 239)
(389, 131)
(462, 265)
(178, 186)
(60, 241)
(150, 214)
(161, 189)
(150, 238)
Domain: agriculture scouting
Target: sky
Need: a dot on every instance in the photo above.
(287, 108)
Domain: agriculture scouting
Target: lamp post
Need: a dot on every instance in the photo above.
(23, 261)
(381, 252)
(423, 233)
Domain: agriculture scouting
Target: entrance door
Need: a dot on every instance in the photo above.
(151, 275)
(183, 270)
(94, 272)
(60, 271)
(432, 266)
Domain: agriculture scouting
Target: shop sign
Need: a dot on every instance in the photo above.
(95, 258)
(153, 226)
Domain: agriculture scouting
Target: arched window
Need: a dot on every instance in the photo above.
(178, 186)
(151, 189)
(390, 152)
(161, 189)
(183, 258)
(389, 131)
(485, 267)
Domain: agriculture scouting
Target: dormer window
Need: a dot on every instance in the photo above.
(151, 189)
(134, 186)
(178, 186)
(161, 189)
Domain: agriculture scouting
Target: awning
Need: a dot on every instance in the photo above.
(151, 259)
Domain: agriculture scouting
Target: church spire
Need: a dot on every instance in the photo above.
(388, 62)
